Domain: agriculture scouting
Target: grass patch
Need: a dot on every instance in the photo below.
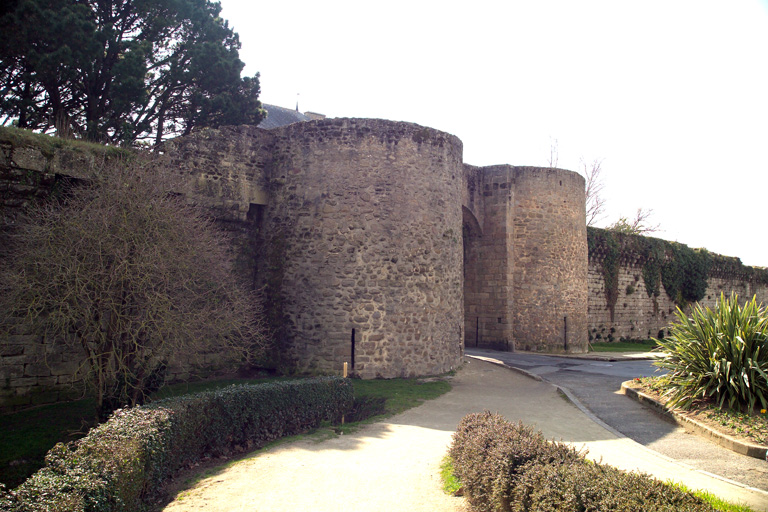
(401, 394)
(48, 144)
(451, 484)
(623, 346)
(27, 436)
(716, 503)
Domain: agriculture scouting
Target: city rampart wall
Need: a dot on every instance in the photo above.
(488, 300)
(636, 313)
(375, 244)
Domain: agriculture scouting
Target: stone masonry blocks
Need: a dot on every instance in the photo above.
(370, 216)
(373, 236)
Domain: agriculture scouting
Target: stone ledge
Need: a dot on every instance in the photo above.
(751, 450)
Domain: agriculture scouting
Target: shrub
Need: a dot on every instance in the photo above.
(120, 464)
(720, 355)
(509, 467)
(488, 453)
(583, 485)
(148, 282)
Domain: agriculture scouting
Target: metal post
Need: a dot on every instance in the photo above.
(565, 333)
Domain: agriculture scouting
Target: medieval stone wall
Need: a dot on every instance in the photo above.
(224, 170)
(33, 371)
(639, 315)
(488, 299)
(368, 217)
(525, 259)
(635, 316)
(376, 245)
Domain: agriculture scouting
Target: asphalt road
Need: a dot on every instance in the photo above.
(596, 385)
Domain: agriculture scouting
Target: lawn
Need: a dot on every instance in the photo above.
(27, 436)
(623, 346)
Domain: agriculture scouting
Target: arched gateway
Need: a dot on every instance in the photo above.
(381, 248)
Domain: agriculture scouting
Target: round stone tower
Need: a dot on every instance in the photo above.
(367, 217)
(549, 260)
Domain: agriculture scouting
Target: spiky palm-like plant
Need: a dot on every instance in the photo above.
(720, 355)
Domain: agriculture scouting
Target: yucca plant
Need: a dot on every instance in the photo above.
(720, 355)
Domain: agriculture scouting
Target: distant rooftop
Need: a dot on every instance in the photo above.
(279, 116)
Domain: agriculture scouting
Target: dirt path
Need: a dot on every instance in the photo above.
(394, 465)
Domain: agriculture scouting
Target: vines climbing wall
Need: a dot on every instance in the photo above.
(636, 283)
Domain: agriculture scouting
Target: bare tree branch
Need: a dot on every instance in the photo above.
(135, 279)
(593, 191)
(553, 153)
(637, 226)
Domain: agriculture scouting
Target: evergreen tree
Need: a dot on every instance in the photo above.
(121, 71)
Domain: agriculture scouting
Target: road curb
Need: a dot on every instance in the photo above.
(562, 390)
(751, 450)
(575, 401)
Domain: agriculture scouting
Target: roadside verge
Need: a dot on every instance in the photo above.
(744, 448)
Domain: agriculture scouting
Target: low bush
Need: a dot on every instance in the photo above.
(719, 355)
(583, 485)
(121, 464)
(504, 466)
(488, 453)
(362, 408)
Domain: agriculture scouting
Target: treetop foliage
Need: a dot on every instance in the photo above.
(122, 71)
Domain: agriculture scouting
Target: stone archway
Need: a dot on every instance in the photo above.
(472, 236)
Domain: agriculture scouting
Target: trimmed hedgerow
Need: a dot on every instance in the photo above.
(488, 453)
(583, 485)
(508, 467)
(121, 464)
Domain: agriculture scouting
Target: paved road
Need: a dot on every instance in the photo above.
(596, 383)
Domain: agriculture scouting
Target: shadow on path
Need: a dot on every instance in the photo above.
(394, 464)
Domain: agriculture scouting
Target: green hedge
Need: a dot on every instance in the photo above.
(121, 464)
(509, 467)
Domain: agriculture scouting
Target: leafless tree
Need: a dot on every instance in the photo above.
(553, 153)
(593, 191)
(134, 278)
(638, 226)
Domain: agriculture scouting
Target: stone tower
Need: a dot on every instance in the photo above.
(381, 248)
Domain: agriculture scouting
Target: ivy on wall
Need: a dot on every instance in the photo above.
(606, 244)
(683, 271)
(653, 254)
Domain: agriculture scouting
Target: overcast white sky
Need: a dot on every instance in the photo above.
(672, 95)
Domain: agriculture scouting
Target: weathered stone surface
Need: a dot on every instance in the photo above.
(637, 315)
(11, 349)
(374, 237)
(37, 370)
